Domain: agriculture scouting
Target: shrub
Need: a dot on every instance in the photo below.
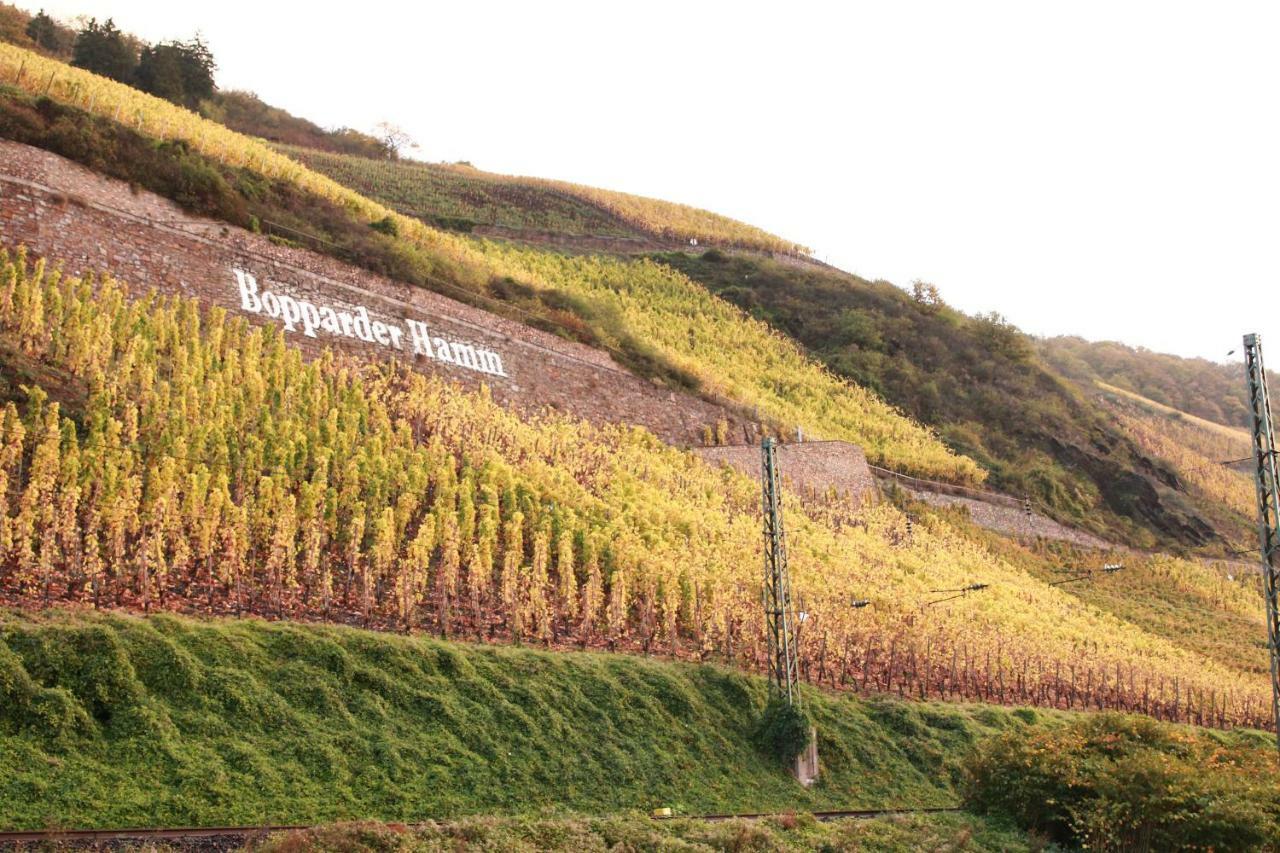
(1116, 782)
(783, 730)
(385, 225)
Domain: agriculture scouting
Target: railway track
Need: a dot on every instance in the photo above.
(847, 814)
(227, 837)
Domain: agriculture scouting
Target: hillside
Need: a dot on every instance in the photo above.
(1213, 460)
(462, 197)
(246, 113)
(649, 334)
(205, 466)
(1195, 386)
(980, 384)
(112, 720)
(336, 488)
(992, 393)
(518, 502)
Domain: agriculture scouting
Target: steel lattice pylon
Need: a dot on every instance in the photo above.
(1264, 452)
(777, 583)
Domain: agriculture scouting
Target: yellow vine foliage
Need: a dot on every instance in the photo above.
(213, 467)
(739, 358)
(1203, 433)
(1157, 436)
(670, 220)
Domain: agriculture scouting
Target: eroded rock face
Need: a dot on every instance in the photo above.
(1154, 496)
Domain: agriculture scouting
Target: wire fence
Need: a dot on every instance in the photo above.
(951, 489)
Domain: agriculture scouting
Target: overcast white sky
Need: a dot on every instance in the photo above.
(1104, 169)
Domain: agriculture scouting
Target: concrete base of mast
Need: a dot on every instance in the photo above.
(806, 766)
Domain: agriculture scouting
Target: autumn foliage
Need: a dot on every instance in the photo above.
(197, 463)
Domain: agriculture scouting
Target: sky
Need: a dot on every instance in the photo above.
(1110, 170)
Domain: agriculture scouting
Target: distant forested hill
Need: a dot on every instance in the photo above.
(1193, 385)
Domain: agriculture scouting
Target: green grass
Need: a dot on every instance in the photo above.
(109, 720)
(636, 832)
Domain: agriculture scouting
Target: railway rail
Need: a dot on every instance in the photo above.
(227, 836)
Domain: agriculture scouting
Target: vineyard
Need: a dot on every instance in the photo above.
(43, 76)
(462, 196)
(634, 305)
(469, 196)
(176, 460)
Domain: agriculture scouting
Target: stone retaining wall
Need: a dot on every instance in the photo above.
(810, 467)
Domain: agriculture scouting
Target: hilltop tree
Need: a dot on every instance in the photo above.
(13, 25)
(160, 73)
(103, 49)
(926, 294)
(181, 72)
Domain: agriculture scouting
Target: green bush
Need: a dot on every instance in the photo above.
(1116, 782)
(783, 730)
(385, 225)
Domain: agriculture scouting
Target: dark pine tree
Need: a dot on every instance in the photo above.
(103, 49)
(46, 33)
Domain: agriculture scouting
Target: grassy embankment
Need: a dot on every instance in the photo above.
(109, 720)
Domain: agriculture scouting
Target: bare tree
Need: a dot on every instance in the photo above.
(394, 139)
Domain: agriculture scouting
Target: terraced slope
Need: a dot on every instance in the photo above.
(483, 554)
(1212, 461)
(461, 197)
(235, 176)
(976, 380)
